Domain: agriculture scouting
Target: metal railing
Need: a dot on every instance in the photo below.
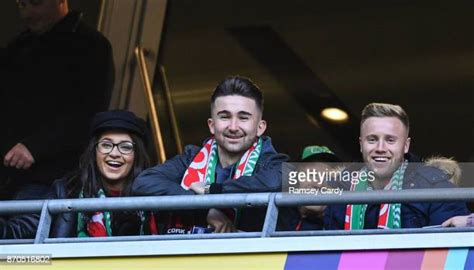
(152, 112)
(272, 201)
(171, 110)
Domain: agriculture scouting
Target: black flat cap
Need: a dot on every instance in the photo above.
(118, 119)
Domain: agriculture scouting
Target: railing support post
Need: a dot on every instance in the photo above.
(271, 217)
(44, 225)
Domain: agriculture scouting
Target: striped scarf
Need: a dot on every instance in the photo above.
(389, 214)
(203, 169)
(101, 220)
(203, 166)
(100, 223)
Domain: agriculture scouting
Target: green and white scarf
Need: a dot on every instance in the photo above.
(100, 217)
(389, 215)
(104, 219)
(203, 166)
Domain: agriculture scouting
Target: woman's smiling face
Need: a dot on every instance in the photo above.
(115, 164)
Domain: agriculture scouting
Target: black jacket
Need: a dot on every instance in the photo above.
(52, 85)
(65, 224)
(413, 215)
(23, 226)
(19, 227)
(165, 179)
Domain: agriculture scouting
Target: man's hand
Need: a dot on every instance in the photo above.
(19, 157)
(459, 221)
(219, 221)
(197, 187)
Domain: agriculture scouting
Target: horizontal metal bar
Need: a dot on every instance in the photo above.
(371, 232)
(161, 203)
(21, 206)
(237, 200)
(253, 234)
(247, 245)
(379, 196)
(155, 237)
(142, 203)
(16, 241)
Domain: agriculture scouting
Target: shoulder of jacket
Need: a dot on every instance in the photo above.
(92, 35)
(427, 174)
(191, 149)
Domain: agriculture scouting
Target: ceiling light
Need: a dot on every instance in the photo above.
(335, 114)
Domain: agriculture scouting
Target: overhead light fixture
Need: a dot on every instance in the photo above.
(334, 115)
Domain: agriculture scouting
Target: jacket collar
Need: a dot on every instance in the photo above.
(67, 24)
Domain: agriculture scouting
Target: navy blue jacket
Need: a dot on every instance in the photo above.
(165, 179)
(413, 215)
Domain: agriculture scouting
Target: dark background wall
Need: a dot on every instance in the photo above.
(418, 54)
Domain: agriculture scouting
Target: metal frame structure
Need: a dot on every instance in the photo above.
(268, 240)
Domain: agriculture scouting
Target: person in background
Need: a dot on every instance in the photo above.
(55, 76)
(452, 168)
(448, 165)
(321, 159)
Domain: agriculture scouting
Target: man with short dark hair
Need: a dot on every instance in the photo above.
(237, 158)
(384, 142)
(55, 76)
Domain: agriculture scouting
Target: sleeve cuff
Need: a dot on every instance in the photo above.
(215, 188)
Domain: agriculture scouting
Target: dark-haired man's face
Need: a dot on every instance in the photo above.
(383, 143)
(40, 15)
(236, 122)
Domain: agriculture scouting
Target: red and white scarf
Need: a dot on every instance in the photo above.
(203, 166)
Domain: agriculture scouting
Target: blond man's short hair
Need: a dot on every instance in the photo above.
(385, 110)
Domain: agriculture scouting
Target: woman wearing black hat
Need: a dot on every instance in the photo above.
(113, 158)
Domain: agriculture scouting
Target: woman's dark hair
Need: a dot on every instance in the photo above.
(238, 86)
(88, 178)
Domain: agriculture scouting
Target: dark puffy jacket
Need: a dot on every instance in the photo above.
(165, 179)
(413, 215)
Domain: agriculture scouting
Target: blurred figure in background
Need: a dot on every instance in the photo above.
(55, 76)
(320, 159)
